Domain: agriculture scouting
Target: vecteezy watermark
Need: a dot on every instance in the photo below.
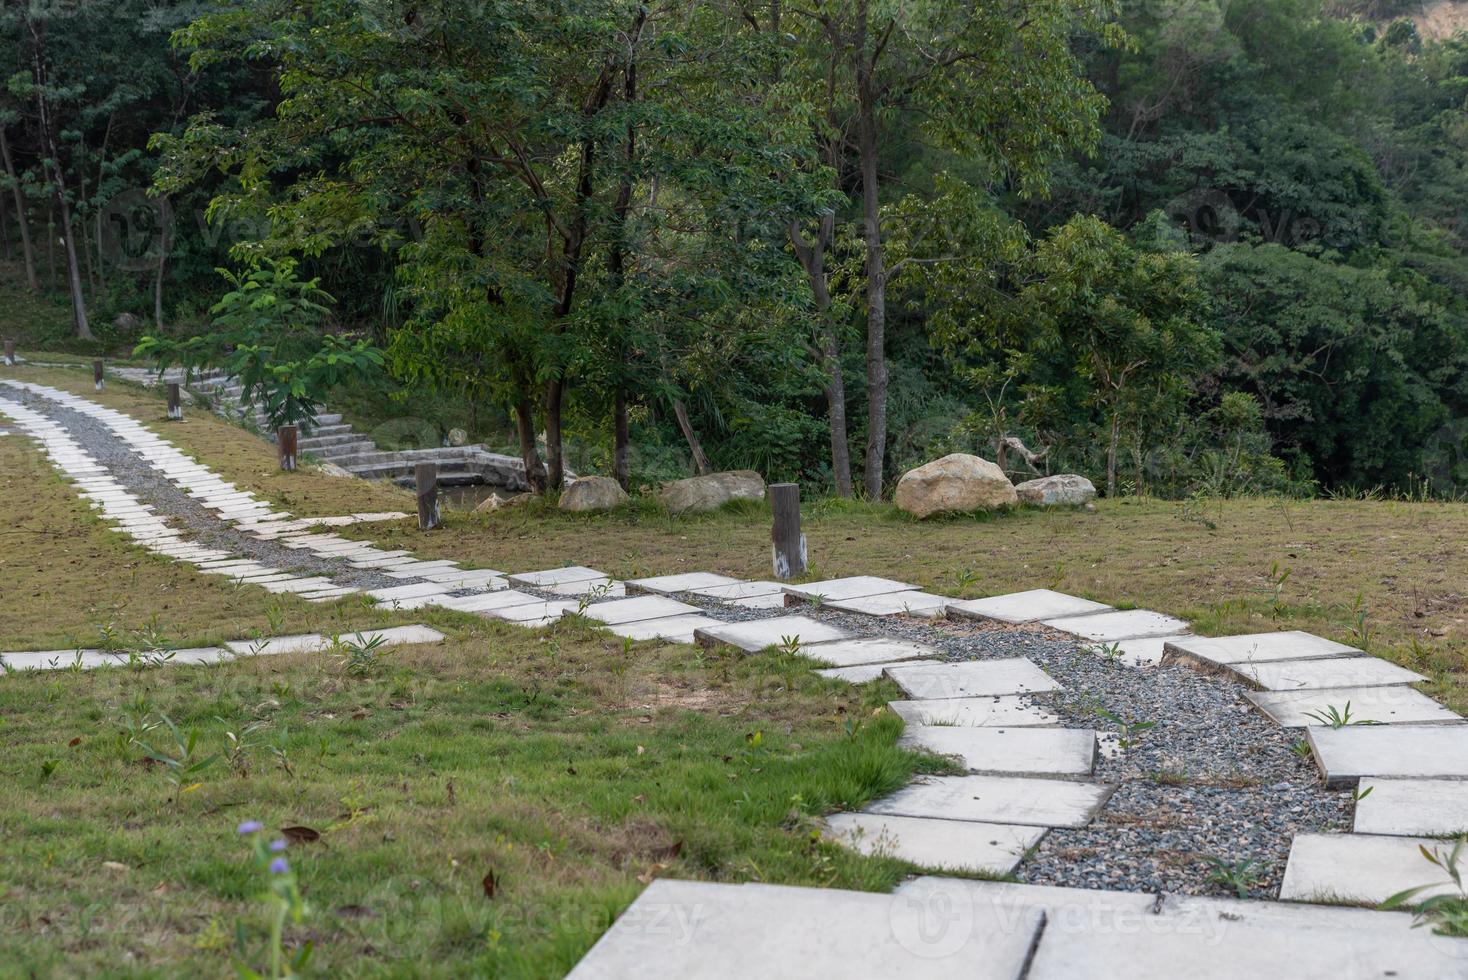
(136, 230)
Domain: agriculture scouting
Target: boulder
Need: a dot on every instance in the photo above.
(495, 502)
(593, 493)
(331, 469)
(127, 323)
(698, 494)
(1062, 490)
(956, 483)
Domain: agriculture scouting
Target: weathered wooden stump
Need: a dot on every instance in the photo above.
(175, 402)
(97, 374)
(286, 441)
(425, 478)
(787, 543)
(10, 353)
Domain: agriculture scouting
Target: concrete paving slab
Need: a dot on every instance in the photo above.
(1344, 755)
(975, 678)
(470, 580)
(272, 576)
(685, 582)
(299, 585)
(867, 650)
(998, 799)
(1216, 915)
(863, 673)
(1028, 751)
(329, 595)
(1255, 648)
(1412, 807)
(1394, 704)
(417, 569)
(1361, 868)
(1146, 651)
(639, 608)
(556, 576)
(922, 605)
(686, 930)
(601, 588)
(776, 601)
(758, 634)
(1026, 607)
(1326, 672)
(486, 601)
(1065, 908)
(676, 629)
(742, 590)
(936, 845)
(1011, 711)
(1129, 624)
(316, 642)
(533, 613)
(408, 591)
(853, 587)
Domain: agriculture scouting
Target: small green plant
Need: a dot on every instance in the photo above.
(1240, 875)
(1335, 717)
(239, 745)
(1277, 578)
(963, 578)
(1360, 794)
(593, 594)
(789, 645)
(283, 902)
(1446, 914)
(1301, 748)
(48, 769)
(1130, 728)
(181, 763)
(1359, 628)
(1111, 651)
(359, 655)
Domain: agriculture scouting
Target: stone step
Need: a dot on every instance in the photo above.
(1393, 704)
(355, 446)
(998, 799)
(757, 635)
(1021, 751)
(316, 441)
(1128, 624)
(976, 678)
(1026, 607)
(936, 845)
(1009, 711)
(1412, 807)
(1345, 755)
(1361, 869)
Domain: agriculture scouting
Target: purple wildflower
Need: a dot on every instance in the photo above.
(279, 866)
(276, 846)
(250, 827)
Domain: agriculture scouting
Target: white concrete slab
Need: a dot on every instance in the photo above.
(316, 642)
(922, 605)
(685, 930)
(480, 581)
(1026, 607)
(329, 595)
(936, 845)
(396, 592)
(1394, 704)
(742, 590)
(1065, 908)
(863, 673)
(686, 582)
(1256, 648)
(486, 601)
(533, 613)
(1216, 915)
(1011, 711)
(299, 586)
(1344, 755)
(640, 608)
(676, 629)
(1360, 868)
(1027, 751)
(775, 601)
(556, 576)
(418, 569)
(1412, 807)
(602, 588)
(1325, 672)
(757, 635)
(998, 799)
(867, 650)
(853, 587)
(1129, 624)
(974, 678)
(1146, 651)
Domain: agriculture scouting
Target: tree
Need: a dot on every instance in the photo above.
(957, 66)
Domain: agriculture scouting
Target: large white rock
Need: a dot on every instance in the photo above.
(1061, 490)
(957, 483)
(698, 494)
(591, 493)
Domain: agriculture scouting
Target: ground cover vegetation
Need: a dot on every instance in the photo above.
(822, 240)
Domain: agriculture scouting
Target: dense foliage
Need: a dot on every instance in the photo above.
(1179, 246)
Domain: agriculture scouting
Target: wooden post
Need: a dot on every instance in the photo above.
(787, 543)
(285, 441)
(97, 374)
(10, 353)
(425, 478)
(175, 402)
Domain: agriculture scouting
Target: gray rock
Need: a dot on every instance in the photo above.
(699, 494)
(331, 469)
(1062, 490)
(956, 483)
(593, 493)
(127, 323)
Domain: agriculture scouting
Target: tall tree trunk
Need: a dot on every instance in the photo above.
(555, 463)
(529, 454)
(165, 215)
(5, 230)
(27, 250)
(51, 243)
(700, 461)
(620, 439)
(812, 259)
(876, 283)
(1111, 453)
(58, 187)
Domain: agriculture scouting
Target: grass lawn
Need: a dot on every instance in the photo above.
(561, 767)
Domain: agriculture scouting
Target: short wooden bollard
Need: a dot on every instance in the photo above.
(425, 478)
(175, 402)
(10, 353)
(97, 374)
(787, 543)
(285, 441)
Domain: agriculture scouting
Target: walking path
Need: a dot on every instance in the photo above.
(1027, 777)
